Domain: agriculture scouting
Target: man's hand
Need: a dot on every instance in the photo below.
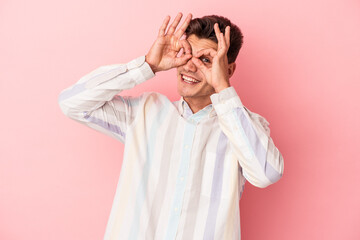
(163, 53)
(218, 74)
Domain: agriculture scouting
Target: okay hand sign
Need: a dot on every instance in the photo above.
(163, 53)
(218, 74)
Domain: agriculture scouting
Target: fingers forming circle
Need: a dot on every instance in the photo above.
(186, 45)
(207, 51)
(199, 65)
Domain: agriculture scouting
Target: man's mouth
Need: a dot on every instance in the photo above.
(189, 80)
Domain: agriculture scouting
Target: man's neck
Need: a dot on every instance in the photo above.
(196, 104)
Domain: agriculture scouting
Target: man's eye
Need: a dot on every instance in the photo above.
(206, 60)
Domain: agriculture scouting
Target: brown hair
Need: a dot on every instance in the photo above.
(204, 28)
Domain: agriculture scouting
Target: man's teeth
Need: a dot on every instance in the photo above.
(190, 79)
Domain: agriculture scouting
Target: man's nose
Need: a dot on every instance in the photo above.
(190, 66)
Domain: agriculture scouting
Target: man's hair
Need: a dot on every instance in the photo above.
(204, 28)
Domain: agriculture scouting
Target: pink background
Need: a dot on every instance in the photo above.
(299, 68)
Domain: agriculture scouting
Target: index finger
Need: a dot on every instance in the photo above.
(186, 45)
(183, 27)
(207, 51)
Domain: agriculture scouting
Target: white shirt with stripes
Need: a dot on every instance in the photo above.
(182, 174)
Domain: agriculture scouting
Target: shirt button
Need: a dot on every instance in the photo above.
(182, 178)
(186, 146)
(176, 209)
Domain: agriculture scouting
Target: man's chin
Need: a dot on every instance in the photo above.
(186, 94)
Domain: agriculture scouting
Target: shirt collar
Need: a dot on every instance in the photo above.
(186, 112)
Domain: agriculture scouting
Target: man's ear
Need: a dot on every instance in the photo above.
(231, 69)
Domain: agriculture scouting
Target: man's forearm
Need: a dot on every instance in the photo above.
(101, 85)
(249, 135)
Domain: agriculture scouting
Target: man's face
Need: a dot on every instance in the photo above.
(191, 82)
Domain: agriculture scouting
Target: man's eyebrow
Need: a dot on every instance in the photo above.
(205, 55)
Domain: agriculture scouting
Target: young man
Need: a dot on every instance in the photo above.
(185, 162)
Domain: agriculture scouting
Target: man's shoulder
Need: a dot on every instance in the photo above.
(154, 98)
(154, 95)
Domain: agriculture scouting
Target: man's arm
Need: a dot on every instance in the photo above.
(93, 100)
(249, 135)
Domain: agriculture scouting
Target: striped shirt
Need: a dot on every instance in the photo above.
(182, 174)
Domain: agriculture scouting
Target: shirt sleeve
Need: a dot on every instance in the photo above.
(93, 100)
(249, 135)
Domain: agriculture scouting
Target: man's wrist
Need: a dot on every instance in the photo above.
(153, 68)
(226, 101)
(139, 65)
(222, 87)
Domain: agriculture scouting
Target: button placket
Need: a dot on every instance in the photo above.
(180, 180)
